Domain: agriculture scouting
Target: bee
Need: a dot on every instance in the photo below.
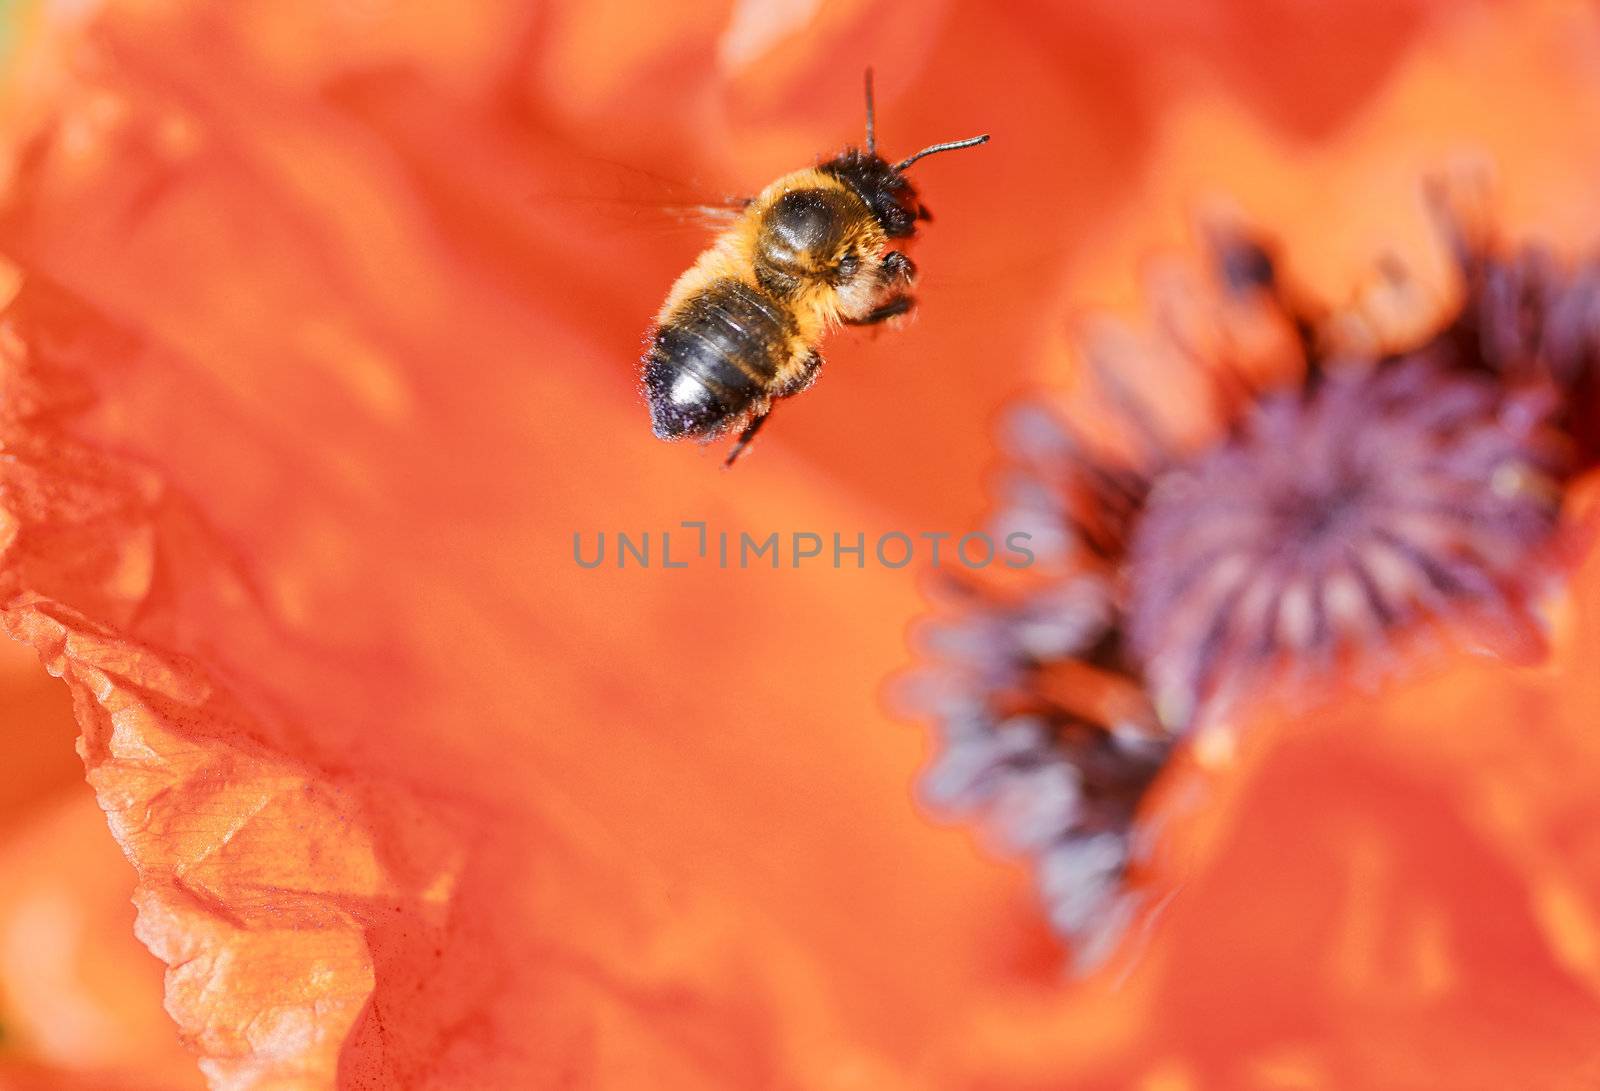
(740, 329)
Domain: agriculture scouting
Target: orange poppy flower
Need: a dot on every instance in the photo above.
(317, 353)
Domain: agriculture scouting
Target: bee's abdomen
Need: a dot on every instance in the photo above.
(715, 355)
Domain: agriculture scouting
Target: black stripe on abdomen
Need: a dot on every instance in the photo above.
(714, 358)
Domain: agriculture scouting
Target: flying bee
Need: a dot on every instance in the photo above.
(740, 328)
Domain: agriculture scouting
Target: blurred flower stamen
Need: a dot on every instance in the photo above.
(1342, 501)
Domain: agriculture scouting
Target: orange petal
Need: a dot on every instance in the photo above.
(314, 375)
(396, 787)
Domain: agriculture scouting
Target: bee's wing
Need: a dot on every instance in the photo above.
(718, 216)
(630, 199)
(705, 218)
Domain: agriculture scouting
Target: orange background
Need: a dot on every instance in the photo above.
(323, 346)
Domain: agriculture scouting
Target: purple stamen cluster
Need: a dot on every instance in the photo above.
(1355, 497)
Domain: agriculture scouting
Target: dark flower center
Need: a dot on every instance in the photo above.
(1357, 496)
(1387, 495)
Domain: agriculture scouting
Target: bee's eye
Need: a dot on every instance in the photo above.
(849, 265)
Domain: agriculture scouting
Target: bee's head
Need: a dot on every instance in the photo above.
(884, 190)
(883, 185)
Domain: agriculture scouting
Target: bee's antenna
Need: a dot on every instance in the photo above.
(950, 147)
(872, 135)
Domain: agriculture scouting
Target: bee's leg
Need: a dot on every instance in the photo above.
(892, 307)
(810, 368)
(897, 269)
(746, 436)
(894, 275)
